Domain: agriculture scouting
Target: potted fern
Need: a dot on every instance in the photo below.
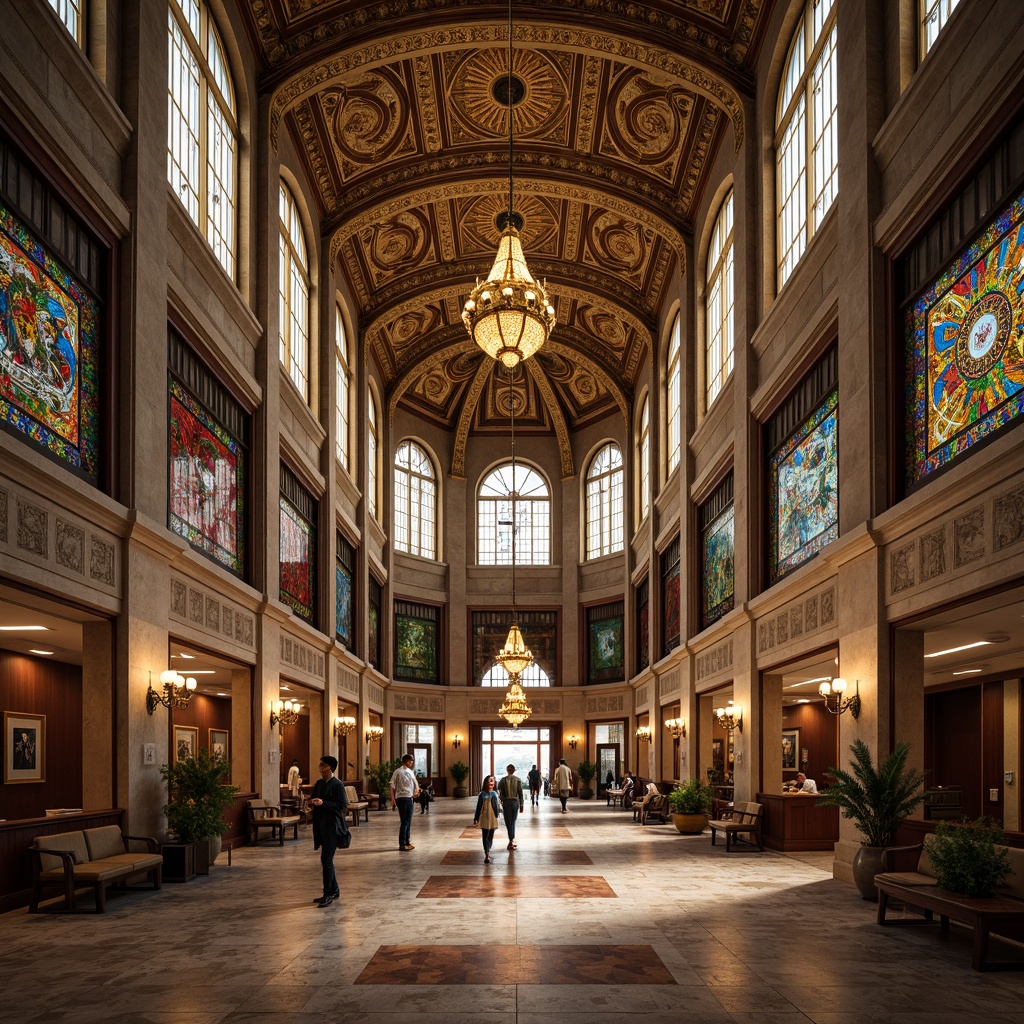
(877, 800)
(459, 771)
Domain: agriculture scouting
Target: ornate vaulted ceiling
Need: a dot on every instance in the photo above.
(397, 110)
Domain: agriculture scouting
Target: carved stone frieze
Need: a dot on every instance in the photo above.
(807, 615)
(301, 657)
(933, 560)
(1008, 519)
(206, 613)
(348, 681)
(969, 537)
(605, 703)
(4, 498)
(670, 682)
(33, 525)
(375, 694)
(901, 569)
(718, 659)
(420, 703)
(70, 546)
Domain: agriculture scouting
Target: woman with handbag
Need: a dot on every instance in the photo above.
(486, 815)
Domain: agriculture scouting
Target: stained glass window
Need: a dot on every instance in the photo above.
(373, 625)
(643, 626)
(964, 337)
(417, 641)
(207, 461)
(719, 303)
(298, 547)
(344, 592)
(415, 501)
(670, 596)
(540, 634)
(717, 538)
(673, 398)
(604, 513)
(49, 351)
(605, 657)
(494, 517)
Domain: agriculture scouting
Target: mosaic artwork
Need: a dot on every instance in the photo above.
(415, 649)
(965, 349)
(49, 351)
(343, 616)
(297, 582)
(606, 662)
(719, 567)
(206, 482)
(804, 490)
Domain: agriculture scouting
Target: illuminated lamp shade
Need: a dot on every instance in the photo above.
(514, 657)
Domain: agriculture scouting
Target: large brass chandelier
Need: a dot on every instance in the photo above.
(509, 315)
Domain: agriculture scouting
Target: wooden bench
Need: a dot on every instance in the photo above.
(93, 857)
(745, 820)
(355, 805)
(268, 816)
(1002, 914)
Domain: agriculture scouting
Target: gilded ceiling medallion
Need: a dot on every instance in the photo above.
(647, 120)
(479, 233)
(400, 244)
(615, 242)
(368, 117)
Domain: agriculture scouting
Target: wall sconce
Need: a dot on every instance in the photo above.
(730, 717)
(284, 712)
(676, 726)
(374, 733)
(573, 740)
(835, 702)
(343, 725)
(456, 741)
(643, 733)
(177, 691)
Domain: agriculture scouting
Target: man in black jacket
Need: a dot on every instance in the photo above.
(329, 804)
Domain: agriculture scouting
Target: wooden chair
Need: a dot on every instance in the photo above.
(268, 816)
(746, 819)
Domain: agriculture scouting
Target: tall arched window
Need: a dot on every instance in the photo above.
(372, 452)
(494, 517)
(673, 399)
(719, 298)
(806, 124)
(534, 675)
(294, 306)
(934, 14)
(644, 457)
(343, 386)
(604, 503)
(202, 126)
(415, 501)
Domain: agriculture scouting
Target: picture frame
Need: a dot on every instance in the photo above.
(186, 742)
(24, 748)
(791, 750)
(218, 744)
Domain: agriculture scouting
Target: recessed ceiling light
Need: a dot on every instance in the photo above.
(222, 695)
(803, 700)
(32, 650)
(21, 629)
(202, 671)
(189, 657)
(962, 647)
(968, 672)
(807, 682)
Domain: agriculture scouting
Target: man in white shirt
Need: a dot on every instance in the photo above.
(404, 790)
(562, 783)
(805, 785)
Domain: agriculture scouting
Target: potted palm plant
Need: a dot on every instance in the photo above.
(459, 771)
(198, 795)
(689, 803)
(587, 770)
(877, 800)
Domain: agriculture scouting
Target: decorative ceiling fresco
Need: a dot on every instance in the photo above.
(399, 110)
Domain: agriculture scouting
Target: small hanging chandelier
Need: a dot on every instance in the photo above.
(514, 708)
(509, 315)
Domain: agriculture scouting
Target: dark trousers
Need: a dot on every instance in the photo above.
(327, 849)
(488, 838)
(534, 794)
(510, 811)
(563, 795)
(404, 819)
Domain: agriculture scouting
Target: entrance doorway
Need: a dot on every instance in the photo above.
(522, 747)
(608, 761)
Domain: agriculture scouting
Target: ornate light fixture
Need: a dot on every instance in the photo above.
(730, 717)
(177, 691)
(573, 740)
(343, 725)
(643, 733)
(456, 741)
(285, 712)
(374, 733)
(509, 315)
(835, 702)
(676, 726)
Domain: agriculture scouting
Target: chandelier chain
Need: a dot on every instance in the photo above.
(510, 115)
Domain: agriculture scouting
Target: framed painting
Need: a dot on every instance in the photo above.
(186, 742)
(791, 750)
(24, 748)
(219, 744)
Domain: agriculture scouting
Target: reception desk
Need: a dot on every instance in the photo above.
(797, 823)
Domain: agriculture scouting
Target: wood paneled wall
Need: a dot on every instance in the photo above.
(819, 736)
(41, 687)
(952, 745)
(205, 713)
(295, 747)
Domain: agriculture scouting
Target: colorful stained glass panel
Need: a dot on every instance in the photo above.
(804, 490)
(206, 482)
(297, 582)
(670, 597)
(343, 615)
(605, 649)
(719, 566)
(965, 349)
(49, 351)
(415, 649)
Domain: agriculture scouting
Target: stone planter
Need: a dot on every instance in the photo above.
(460, 792)
(867, 862)
(586, 793)
(690, 824)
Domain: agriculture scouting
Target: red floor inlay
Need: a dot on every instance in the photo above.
(524, 856)
(504, 885)
(574, 964)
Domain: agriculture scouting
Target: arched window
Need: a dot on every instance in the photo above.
(415, 501)
(71, 12)
(805, 134)
(719, 298)
(202, 127)
(673, 398)
(294, 305)
(373, 448)
(533, 676)
(604, 503)
(343, 386)
(934, 14)
(644, 458)
(494, 517)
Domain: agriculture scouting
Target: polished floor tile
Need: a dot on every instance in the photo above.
(506, 886)
(549, 831)
(523, 857)
(515, 965)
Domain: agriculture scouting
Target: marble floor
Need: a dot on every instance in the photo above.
(592, 920)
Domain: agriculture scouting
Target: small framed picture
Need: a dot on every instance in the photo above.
(790, 750)
(186, 741)
(24, 748)
(219, 744)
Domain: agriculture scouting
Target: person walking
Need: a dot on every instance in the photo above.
(510, 789)
(562, 783)
(329, 804)
(486, 815)
(404, 790)
(533, 777)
